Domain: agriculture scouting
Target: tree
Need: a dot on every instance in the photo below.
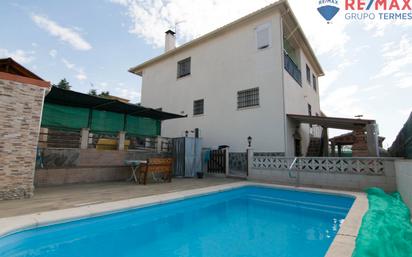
(92, 92)
(63, 84)
(104, 93)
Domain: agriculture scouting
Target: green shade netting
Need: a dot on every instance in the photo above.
(103, 121)
(142, 126)
(386, 229)
(66, 117)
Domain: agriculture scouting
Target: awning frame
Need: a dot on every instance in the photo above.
(76, 99)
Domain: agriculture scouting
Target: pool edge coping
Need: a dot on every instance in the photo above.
(342, 245)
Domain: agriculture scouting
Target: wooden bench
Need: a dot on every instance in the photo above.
(156, 165)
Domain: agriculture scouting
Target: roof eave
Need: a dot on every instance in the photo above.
(139, 68)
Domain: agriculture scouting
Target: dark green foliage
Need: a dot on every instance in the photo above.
(63, 84)
(92, 92)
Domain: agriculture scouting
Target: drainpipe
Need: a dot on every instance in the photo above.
(282, 57)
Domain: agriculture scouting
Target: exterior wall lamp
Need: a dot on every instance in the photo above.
(249, 140)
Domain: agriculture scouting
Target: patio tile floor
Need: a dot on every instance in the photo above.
(69, 196)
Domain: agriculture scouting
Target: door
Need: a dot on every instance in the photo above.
(298, 147)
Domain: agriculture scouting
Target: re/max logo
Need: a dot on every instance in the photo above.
(385, 5)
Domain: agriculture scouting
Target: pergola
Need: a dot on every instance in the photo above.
(365, 142)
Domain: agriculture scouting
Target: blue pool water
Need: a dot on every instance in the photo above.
(249, 221)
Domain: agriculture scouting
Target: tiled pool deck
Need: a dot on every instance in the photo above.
(57, 204)
(69, 196)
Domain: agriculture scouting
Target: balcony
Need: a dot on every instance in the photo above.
(292, 69)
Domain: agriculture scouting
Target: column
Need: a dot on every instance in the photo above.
(122, 139)
(372, 140)
(360, 147)
(84, 138)
(159, 141)
(325, 140)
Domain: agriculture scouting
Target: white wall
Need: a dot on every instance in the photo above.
(222, 66)
(297, 100)
(357, 182)
(219, 68)
(404, 180)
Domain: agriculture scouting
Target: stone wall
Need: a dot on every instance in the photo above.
(20, 114)
(60, 166)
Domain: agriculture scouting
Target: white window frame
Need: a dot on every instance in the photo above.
(259, 28)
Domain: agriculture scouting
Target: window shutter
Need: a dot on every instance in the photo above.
(262, 37)
(198, 107)
(183, 67)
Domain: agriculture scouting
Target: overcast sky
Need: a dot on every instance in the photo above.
(368, 64)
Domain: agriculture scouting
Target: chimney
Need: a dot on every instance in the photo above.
(170, 40)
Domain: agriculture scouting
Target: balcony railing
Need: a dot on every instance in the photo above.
(293, 69)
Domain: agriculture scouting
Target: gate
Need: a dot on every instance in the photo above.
(238, 164)
(217, 162)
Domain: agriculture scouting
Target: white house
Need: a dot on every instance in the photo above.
(240, 80)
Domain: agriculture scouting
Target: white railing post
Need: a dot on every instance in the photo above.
(249, 152)
(227, 170)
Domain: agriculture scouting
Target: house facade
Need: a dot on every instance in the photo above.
(239, 81)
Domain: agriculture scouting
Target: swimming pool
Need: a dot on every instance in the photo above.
(248, 221)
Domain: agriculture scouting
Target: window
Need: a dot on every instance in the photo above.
(198, 107)
(308, 73)
(183, 68)
(315, 86)
(263, 36)
(292, 69)
(248, 98)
